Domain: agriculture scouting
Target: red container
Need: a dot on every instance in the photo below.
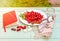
(9, 18)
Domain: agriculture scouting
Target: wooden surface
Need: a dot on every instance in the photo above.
(25, 36)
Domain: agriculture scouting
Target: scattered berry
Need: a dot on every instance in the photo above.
(24, 27)
(18, 30)
(13, 29)
(19, 27)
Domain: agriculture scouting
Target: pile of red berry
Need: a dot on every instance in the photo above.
(33, 17)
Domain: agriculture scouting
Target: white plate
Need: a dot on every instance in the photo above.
(25, 22)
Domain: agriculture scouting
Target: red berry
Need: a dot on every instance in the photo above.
(18, 30)
(24, 27)
(19, 26)
(13, 29)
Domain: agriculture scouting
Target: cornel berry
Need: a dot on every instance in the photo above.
(33, 17)
(20, 27)
(24, 27)
(13, 29)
